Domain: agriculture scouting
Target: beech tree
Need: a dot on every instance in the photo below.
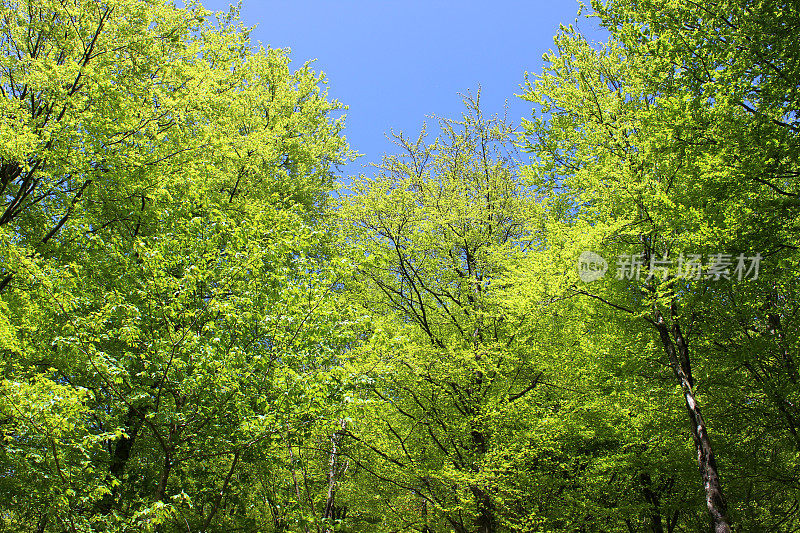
(168, 294)
(433, 225)
(651, 148)
(500, 330)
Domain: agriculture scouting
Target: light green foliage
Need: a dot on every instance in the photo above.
(195, 337)
(432, 233)
(678, 137)
(168, 306)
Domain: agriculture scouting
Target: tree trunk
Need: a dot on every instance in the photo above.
(294, 478)
(426, 528)
(5, 281)
(41, 525)
(678, 355)
(166, 469)
(484, 522)
(776, 331)
(221, 494)
(122, 452)
(330, 514)
(652, 497)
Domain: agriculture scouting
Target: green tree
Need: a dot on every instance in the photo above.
(430, 233)
(659, 145)
(169, 293)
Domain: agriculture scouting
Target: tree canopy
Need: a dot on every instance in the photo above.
(588, 321)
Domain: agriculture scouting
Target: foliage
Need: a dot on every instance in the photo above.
(168, 288)
(195, 337)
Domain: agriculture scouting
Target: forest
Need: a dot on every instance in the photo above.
(586, 322)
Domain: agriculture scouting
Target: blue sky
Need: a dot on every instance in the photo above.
(394, 63)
